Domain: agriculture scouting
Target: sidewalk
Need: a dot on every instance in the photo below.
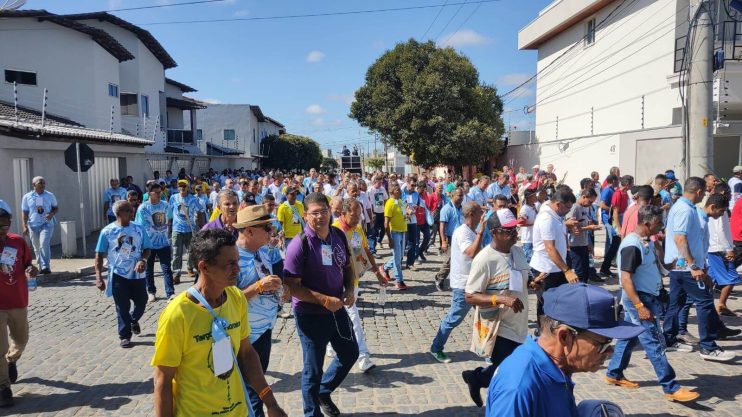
(69, 268)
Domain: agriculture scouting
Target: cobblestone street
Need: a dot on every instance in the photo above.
(73, 365)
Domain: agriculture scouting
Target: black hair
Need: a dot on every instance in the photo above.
(207, 244)
(627, 180)
(644, 192)
(4, 214)
(610, 179)
(151, 186)
(720, 201)
(563, 194)
(316, 198)
(694, 184)
(269, 197)
(586, 182)
(501, 197)
(649, 214)
(662, 177)
(722, 188)
(588, 192)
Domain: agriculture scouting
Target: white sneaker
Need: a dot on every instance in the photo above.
(330, 352)
(680, 347)
(717, 355)
(365, 364)
(151, 298)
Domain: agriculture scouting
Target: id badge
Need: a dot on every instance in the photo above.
(326, 255)
(295, 219)
(355, 241)
(222, 355)
(516, 281)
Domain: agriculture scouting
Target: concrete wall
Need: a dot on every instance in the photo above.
(217, 117)
(47, 160)
(75, 70)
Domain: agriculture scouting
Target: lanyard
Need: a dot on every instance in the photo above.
(220, 321)
(296, 213)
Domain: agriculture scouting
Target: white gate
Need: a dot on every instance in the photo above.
(99, 180)
(22, 185)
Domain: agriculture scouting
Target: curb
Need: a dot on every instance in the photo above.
(65, 275)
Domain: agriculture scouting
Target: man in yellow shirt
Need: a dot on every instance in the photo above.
(291, 215)
(196, 373)
(396, 227)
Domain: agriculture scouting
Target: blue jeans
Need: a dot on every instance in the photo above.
(528, 249)
(651, 340)
(124, 292)
(41, 237)
(612, 242)
(315, 331)
(262, 347)
(412, 237)
(165, 257)
(580, 261)
(682, 287)
(683, 316)
(398, 239)
(456, 314)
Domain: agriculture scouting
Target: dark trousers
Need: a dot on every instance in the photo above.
(446, 266)
(124, 292)
(682, 287)
(434, 230)
(377, 231)
(503, 348)
(165, 257)
(612, 242)
(553, 280)
(315, 331)
(425, 230)
(580, 261)
(263, 347)
(412, 239)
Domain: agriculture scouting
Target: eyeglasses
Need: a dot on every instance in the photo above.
(602, 345)
(319, 213)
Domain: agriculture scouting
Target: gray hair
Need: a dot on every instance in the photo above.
(117, 206)
(469, 208)
(348, 205)
(227, 193)
(37, 179)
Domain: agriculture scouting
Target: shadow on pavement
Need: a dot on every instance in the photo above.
(458, 411)
(101, 396)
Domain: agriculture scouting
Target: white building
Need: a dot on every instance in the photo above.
(607, 89)
(235, 130)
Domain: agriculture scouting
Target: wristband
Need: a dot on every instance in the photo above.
(639, 305)
(264, 392)
(494, 300)
(260, 285)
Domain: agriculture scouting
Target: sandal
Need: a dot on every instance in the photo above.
(724, 311)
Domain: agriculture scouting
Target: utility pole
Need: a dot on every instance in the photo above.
(700, 95)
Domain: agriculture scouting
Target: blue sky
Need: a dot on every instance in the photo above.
(303, 72)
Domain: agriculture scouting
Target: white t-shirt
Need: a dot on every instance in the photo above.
(549, 226)
(462, 238)
(526, 232)
(378, 197)
(329, 189)
(365, 204)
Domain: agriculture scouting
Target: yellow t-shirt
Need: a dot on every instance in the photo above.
(183, 340)
(393, 210)
(216, 213)
(289, 221)
(358, 244)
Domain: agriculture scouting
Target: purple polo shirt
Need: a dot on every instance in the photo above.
(217, 224)
(325, 279)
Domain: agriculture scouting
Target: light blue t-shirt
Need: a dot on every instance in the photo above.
(203, 200)
(181, 210)
(494, 190)
(476, 194)
(262, 309)
(113, 195)
(153, 217)
(38, 206)
(124, 247)
(452, 216)
(684, 219)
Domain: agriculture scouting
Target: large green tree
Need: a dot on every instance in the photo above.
(291, 152)
(428, 103)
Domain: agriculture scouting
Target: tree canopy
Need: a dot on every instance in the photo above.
(376, 164)
(291, 152)
(329, 164)
(428, 103)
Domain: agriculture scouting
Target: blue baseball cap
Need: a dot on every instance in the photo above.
(670, 174)
(588, 307)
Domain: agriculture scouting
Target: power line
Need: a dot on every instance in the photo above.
(451, 19)
(299, 16)
(157, 6)
(462, 24)
(434, 20)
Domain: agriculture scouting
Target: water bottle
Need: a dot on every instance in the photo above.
(681, 263)
(382, 296)
(32, 284)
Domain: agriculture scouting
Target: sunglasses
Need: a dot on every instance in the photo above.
(266, 227)
(505, 231)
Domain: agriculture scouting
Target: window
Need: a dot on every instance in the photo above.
(590, 32)
(129, 104)
(113, 90)
(229, 134)
(199, 134)
(20, 77)
(145, 106)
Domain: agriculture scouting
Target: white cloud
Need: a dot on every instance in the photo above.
(315, 56)
(345, 98)
(241, 13)
(464, 37)
(515, 78)
(314, 109)
(211, 100)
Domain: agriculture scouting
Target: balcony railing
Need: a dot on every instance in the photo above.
(179, 136)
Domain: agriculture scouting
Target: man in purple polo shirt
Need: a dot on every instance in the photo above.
(319, 274)
(228, 205)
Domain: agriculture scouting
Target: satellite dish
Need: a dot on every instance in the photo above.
(12, 4)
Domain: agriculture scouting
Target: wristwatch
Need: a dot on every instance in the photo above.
(695, 267)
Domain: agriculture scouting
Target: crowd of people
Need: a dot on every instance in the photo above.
(267, 245)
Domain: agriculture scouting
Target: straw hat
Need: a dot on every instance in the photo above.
(252, 216)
